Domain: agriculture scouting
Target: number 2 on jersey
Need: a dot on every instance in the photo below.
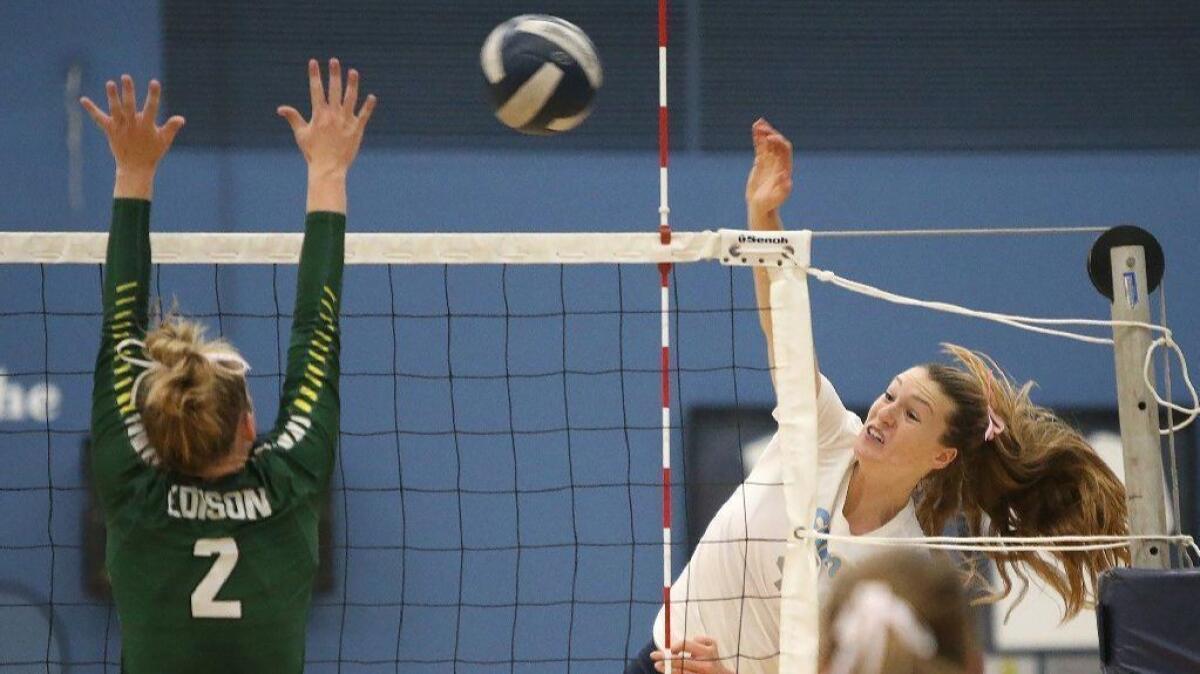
(204, 598)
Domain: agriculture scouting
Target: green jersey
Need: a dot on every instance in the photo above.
(216, 576)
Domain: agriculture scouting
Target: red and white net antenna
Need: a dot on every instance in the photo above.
(664, 270)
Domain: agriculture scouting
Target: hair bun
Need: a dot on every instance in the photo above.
(192, 406)
(176, 343)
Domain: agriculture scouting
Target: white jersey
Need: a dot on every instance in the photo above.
(730, 589)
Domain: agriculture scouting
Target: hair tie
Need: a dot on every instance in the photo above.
(862, 628)
(229, 360)
(995, 425)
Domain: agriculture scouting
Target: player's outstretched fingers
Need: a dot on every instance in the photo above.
(170, 129)
(153, 93)
(759, 130)
(350, 101)
(335, 84)
(316, 92)
(102, 120)
(128, 98)
(114, 102)
(364, 115)
(781, 148)
(293, 117)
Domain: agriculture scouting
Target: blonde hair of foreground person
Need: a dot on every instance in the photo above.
(899, 612)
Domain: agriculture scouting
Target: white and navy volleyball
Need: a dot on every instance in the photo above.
(542, 73)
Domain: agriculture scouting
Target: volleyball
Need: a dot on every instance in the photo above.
(542, 73)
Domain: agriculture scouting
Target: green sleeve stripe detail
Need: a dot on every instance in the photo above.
(316, 355)
(315, 381)
(329, 292)
(323, 336)
(326, 303)
(118, 336)
(303, 405)
(308, 393)
(316, 370)
(121, 369)
(123, 399)
(123, 383)
(122, 301)
(317, 345)
(325, 317)
(127, 286)
(126, 313)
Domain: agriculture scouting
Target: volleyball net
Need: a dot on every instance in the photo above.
(498, 503)
(498, 499)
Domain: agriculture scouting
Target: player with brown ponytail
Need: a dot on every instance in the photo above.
(942, 440)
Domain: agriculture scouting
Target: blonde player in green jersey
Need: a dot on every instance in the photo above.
(212, 531)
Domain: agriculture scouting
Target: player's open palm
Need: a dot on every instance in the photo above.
(136, 141)
(770, 181)
(330, 140)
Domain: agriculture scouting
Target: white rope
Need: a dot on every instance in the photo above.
(1187, 380)
(1022, 322)
(1001, 543)
(958, 231)
(1166, 362)
(1032, 323)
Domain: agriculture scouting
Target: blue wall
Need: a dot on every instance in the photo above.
(861, 342)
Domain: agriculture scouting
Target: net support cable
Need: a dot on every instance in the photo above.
(1003, 544)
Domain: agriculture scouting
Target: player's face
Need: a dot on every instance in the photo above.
(905, 424)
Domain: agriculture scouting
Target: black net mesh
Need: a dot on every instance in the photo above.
(497, 501)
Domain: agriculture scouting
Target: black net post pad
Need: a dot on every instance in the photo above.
(1146, 621)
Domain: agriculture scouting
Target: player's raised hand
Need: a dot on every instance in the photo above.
(770, 180)
(136, 140)
(331, 138)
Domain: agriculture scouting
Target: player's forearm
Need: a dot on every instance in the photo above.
(126, 281)
(764, 220)
(133, 183)
(326, 190)
(310, 389)
(127, 258)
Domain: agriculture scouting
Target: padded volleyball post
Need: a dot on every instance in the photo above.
(1136, 406)
(796, 414)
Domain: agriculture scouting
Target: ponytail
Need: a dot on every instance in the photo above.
(1021, 471)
